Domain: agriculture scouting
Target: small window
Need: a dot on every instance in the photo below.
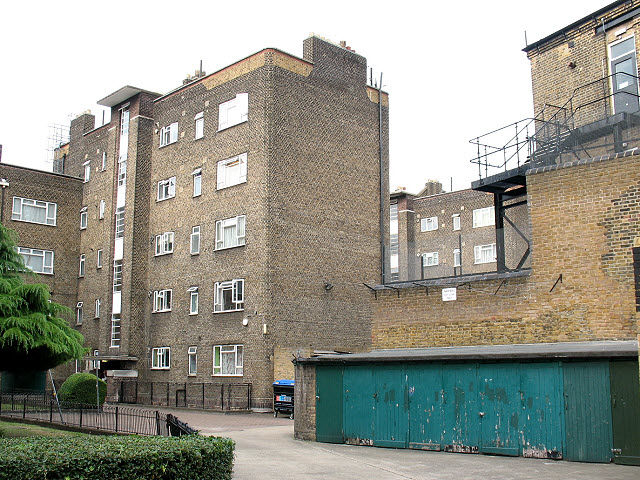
(232, 171)
(94, 364)
(83, 218)
(162, 301)
(79, 313)
(197, 182)
(122, 173)
(161, 358)
(169, 134)
(82, 262)
(430, 259)
(484, 253)
(234, 111)
(99, 258)
(229, 296)
(199, 118)
(164, 243)
(192, 353)
(34, 211)
(455, 220)
(117, 276)
(166, 188)
(104, 161)
(87, 171)
(38, 261)
(195, 240)
(120, 222)
(102, 208)
(483, 217)
(97, 310)
(457, 260)
(115, 331)
(429, 224)
(193, 300)
(230, 232)
(227, 360)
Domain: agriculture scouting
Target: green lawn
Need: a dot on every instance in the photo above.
(16, 429)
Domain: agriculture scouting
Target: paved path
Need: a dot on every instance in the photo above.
(266, 449)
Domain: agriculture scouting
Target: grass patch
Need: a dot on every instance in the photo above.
(17, 429)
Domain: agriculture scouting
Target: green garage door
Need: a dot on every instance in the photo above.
(625, 411)
(329, 404)
(359, 405)
(426, 414)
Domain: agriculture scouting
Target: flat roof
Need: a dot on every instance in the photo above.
(450, 281)
(121, 95)
(601, 349)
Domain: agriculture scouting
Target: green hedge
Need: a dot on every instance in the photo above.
(81, 388)
(192, 457)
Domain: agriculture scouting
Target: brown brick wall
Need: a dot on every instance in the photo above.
(305, 399)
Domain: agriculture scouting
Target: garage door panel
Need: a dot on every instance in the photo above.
(426, 413)
(391, 418)
(461, 432)
(359, 407)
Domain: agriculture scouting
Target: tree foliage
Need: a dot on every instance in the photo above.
(33, 333)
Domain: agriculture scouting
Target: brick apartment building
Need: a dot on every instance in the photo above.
(538, 360)
(214, 232)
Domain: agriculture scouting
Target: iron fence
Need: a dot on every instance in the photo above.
(217, 396)
(110, 418)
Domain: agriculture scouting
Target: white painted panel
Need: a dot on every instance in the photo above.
(121, 196)
(117, 303)
(118, 252)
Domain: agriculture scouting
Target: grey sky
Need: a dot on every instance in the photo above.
(453, 70)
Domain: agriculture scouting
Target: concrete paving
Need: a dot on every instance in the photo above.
(266, 449)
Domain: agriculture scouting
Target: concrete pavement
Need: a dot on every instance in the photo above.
(266, 449)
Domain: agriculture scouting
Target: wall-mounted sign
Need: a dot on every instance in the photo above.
(449, 294)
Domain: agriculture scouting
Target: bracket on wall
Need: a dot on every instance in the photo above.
(555, 284)
(425, 286)
(393, 288)
(500, 286)
(372, 289)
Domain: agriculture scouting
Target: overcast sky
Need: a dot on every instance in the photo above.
(453, 70)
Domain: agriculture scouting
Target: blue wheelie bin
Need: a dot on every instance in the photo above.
(283, 397)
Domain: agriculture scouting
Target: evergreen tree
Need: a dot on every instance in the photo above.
(33, 334)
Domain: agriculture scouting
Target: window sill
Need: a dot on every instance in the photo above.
(229, 311)
(484, 263)
(160, 368)
(163, 199)
(195, 254)
(162, 254)
(161, 311)
(167, 144)
(227, 375)
(231, 126)
(36, 223)
(193, 314)
(228, 248)
(229, 186)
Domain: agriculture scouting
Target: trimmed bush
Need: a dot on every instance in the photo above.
(192, 457)
(81, 388)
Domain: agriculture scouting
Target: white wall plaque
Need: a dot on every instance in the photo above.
(449, 294)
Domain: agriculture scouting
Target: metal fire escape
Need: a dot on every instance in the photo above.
(591, 122)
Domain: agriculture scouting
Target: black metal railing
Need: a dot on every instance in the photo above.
(554, 131)
(110, 418)
(217, 396)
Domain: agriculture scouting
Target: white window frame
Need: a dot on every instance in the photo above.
(429, 224)
(47, 266)
(87, 171)
(81, 270)
(115, 331)
(236, 287)
(99, 258)
(192, 361)
(169, 134)
(164, 243)
(457, 257)
(484, 217)
(102, 207)
(199, 125)
(484, 253)
(79, 313)
(84, 218)
(233, 112)
(104, 161)
(430, 259)
(161, 358)
(117, 275)
(239, 161)
(166, 189)
(119, 222)
(237, 351)
(193, 300)
(50, 209)
(455, 221)
(97, 308)
(195, 237)
(239, 223)
(197, 182)
(162, 300)
(122, 173)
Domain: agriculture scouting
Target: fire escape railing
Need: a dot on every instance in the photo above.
(551, 132)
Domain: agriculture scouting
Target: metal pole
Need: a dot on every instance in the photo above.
(55, 395)
(97, 385)
(382, 199)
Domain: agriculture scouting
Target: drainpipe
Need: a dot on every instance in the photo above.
(382, 235)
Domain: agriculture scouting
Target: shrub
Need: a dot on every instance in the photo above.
(117, 458)
(81, 388)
